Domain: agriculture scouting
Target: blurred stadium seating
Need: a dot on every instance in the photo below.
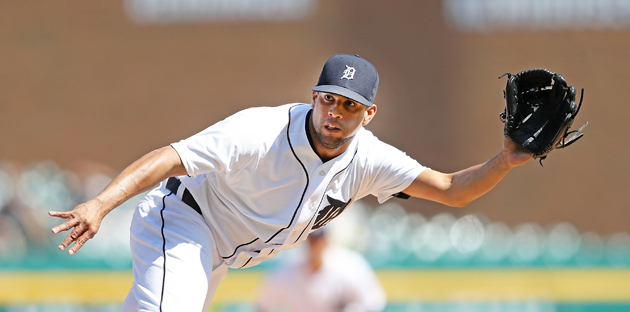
(407, 248)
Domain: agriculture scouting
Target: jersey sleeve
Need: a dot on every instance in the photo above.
(219, 147)
(390, 170)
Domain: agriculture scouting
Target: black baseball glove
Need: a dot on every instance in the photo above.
(539, 111)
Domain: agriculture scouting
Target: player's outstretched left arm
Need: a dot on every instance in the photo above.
(460, 188)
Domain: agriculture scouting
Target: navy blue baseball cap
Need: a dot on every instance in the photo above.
(349, 76)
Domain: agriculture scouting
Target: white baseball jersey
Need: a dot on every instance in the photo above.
(262, 188)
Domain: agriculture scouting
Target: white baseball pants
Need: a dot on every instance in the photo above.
(176, 266)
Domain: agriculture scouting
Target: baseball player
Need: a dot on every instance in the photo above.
(331, 278)
(259, 182)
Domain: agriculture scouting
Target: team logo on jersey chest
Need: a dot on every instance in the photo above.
(333, 210)
(348, 73)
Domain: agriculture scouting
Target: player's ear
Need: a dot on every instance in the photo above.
(369, 114)
(314, 98)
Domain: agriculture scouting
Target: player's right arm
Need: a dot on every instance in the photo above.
(140, 176)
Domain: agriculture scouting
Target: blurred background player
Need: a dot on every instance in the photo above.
(331, 278)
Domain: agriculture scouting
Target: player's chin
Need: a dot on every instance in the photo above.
(335, 136)
(332, 142)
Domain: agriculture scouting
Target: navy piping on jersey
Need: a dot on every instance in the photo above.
(163, 248)
(250, 259)
(301, 198)
(305, 173)
(239, 246)
(322, 199)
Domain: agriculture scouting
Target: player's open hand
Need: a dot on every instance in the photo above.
(516, 155)
(84, 220)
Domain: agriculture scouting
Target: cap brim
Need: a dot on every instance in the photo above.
(343, 92)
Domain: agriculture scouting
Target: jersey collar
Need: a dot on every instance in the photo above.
(301, 143)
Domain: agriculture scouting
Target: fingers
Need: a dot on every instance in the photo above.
(65, 226)
(80, 242)
(60, 214)
(72, 236)
(65, 243)
(80, 235)
(83, 221)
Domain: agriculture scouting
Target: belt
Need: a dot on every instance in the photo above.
(172, 184)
